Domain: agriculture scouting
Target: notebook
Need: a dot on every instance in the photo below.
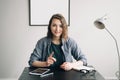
(39, 71)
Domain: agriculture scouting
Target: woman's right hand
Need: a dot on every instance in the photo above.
(50, 59)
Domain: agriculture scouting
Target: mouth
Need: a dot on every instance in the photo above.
(57, 32)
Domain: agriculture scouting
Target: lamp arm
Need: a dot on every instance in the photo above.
(118, 75)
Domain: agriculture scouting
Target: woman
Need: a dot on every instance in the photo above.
(57, 50)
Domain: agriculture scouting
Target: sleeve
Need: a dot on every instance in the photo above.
(37, 53)
(77, 53)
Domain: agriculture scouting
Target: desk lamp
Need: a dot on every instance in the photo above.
(99, 23)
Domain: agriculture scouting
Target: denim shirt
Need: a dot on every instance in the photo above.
(69, 47)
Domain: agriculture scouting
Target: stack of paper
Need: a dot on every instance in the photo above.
(88, 68)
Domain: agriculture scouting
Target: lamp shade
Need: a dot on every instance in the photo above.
(99, 23)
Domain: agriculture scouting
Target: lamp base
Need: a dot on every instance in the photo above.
(118, 74)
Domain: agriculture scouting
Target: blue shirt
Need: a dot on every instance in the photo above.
(69, 47)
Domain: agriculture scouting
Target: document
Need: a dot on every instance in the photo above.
(88, 68)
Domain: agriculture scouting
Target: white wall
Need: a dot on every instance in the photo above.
(17, 38)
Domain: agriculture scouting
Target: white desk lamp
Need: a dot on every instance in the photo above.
(99, 23)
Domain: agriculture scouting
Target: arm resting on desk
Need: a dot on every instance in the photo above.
(70, 65)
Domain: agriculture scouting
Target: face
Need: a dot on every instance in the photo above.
(56, 28)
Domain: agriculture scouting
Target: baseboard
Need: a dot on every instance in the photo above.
(7, 79)
(111, 78)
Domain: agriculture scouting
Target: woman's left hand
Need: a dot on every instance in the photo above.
(66, 66)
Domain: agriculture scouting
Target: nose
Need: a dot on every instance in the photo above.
(57, 28)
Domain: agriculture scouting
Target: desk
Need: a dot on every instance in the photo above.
(62, 75)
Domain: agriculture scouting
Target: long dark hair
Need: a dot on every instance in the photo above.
(64, 26)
